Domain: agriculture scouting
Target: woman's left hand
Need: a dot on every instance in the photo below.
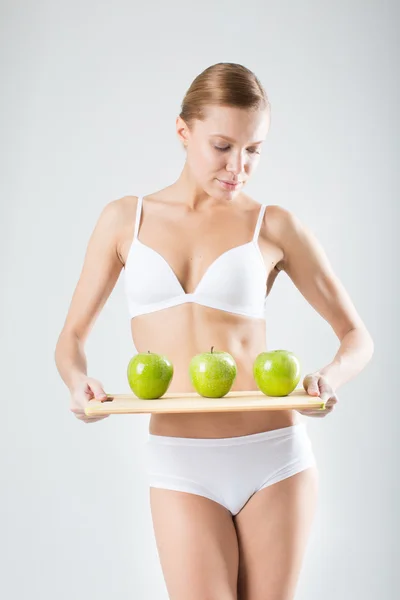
(316, 384)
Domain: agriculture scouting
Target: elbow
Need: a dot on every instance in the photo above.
(58, 344)
(66, 337)
(369, 344)
(56, 352)
(370, 340)
(363, 339)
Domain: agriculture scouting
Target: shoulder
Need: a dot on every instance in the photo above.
(117, 218)
(113, 211)
(296, 239)
(276, 218)
(279, 221)
(276, 222)
(118, 213)
(279, 226)
(125, 205)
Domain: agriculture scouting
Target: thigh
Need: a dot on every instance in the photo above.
(272, 530)
(197, 545)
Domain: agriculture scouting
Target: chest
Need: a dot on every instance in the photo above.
(192, 249)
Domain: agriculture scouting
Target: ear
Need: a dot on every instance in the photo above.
(182, 131)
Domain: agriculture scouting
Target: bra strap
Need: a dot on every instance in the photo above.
(259, 222)
(138, 215)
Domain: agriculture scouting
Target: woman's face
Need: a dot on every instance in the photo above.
(225, 147)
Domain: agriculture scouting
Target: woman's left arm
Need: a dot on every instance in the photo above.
(307, 265)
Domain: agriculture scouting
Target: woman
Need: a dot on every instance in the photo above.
(232, 494)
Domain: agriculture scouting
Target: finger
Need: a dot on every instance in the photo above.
(312, 387)
(332, 400)
(319, 412)
(327, 407)
(328, 397)
(98, 392)
(315, 414)
(84, 417)
(98, 417)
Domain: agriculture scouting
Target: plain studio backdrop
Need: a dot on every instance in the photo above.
(90, 94)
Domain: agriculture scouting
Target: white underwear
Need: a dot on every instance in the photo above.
(228, 470)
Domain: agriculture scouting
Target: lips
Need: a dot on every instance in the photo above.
(229, 185)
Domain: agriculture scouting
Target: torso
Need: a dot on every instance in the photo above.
(190, 241)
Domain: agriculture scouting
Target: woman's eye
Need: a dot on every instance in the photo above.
(252, 151)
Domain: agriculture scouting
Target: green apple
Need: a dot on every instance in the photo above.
(277, 372)
(149, 375)
(212, 373)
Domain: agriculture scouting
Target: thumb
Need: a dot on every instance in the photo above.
(97, 390)
(312, 387)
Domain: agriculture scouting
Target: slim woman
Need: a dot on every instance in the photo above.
(232, 494)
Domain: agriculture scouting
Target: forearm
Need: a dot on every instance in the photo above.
(70, 359)
(355, 351)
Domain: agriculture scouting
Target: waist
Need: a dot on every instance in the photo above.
(220, 425)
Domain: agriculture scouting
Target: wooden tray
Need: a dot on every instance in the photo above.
(192, 402)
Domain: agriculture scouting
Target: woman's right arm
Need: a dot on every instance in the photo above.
(101, 269)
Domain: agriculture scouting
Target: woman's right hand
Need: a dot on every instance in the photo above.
(84, 390)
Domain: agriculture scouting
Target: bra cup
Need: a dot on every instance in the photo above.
(235, 279)
(147, 276)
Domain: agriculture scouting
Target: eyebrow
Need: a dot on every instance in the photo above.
(231, 139)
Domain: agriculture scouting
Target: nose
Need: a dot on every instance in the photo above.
(236, 163)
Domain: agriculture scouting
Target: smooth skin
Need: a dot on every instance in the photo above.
(205, 552)
(255, 555)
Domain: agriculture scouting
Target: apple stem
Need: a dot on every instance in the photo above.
(212, 348)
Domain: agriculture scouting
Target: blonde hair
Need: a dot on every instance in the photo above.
(223, 84)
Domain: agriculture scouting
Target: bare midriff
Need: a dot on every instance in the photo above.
(182, 331)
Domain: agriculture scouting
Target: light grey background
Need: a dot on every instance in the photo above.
(90, 93)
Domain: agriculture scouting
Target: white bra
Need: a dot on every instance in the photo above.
(234, 282)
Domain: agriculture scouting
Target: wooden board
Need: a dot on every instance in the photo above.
(193, 402)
